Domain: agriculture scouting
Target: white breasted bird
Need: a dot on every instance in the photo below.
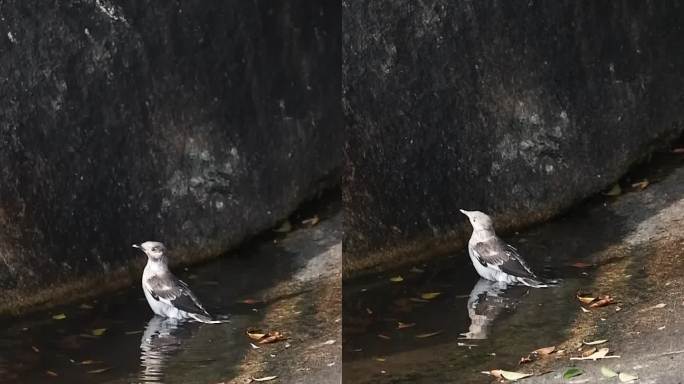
(495, 260)
(167, 295)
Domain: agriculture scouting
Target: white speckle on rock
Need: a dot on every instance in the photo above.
(534, 118)
(205, 155)
(109, 10)
(548, 168)
(219, 205)
(11, 37)
(564, 115)
(611, 67)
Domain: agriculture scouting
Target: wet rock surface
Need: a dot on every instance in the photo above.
(629, 247)
(196, 123)
(520, 111)
(289, 283)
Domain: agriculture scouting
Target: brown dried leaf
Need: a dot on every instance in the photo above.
(581, 264)
(265, 337)
(602, 301)
(311, 221)
(641, 185)
(589, 352)
(585, 298)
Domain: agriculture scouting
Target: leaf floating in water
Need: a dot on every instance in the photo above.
(430, 295)
(59, 316)
(508, 375)
(678, 151)
(396, 279)
(626, 377)
(85, 306)
(98, 331)
(132, 332)
(416, 270)
(284, 227)
(311, 221)
(641, 185)
(267, 378)
(595, 342)
(405, 325)
(581, 264)
(614, 191)
(417, 300)
(572, 372)
(426, 335)
(35, 349)
(607, 372)
(51, 373)
(100, 370)
(265, 337)
(88, 362)
(385, 337)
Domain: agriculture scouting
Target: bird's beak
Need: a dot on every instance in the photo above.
(463, 211)
(137, 246)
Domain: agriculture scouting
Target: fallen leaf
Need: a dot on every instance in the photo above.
(265, 337)
(430, 295)
(329, 342)
(581, 264)
(607, 372)
(425, 335)
(584, 309)
(311, 221)
(614, 191)
(99, 331)
(369, 311)
(572, 372)
(254, 346)
(536, 354)
(657, 306)
(384, 336)
(380, 359)
(249, 301)
(602, 301)
(100, 370)
(678, 150)
(626, 377)
(59, 316)
(87, 362)
(585, 298)
(405, 325)
(267, 378)
(284, 227)
(51, 373)
(85, 306)
(396, 279)
(595, 342)
(417, 300)
(509, 375)
(35, 349)
(416, 270)
(589, 352)
(641, 184)
(600, 354)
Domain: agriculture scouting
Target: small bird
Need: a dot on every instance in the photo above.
(495, 260)
(167, 295)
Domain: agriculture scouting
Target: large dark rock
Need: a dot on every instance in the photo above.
(519, 109)
(197, 123)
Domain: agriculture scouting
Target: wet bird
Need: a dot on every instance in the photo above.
(167, 295)
(495, 260)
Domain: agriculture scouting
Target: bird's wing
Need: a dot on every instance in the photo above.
(504, 257)
(173, 291)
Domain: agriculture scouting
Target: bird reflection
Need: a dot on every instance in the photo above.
(159, 341)
(484, 304)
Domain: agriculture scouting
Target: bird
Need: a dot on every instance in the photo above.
(493, 258)
(167, 295)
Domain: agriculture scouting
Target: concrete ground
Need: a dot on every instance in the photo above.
(644, 272)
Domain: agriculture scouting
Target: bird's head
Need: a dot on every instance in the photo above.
(153, 249)
(478, 219)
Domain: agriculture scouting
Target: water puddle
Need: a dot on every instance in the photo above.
(116, 338)
(438, 322)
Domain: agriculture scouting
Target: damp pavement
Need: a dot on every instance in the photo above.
(437, 322)
(289, 283)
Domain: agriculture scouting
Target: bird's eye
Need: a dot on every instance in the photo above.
(155, 249)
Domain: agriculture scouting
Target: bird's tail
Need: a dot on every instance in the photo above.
(534, 283)
(206, 319)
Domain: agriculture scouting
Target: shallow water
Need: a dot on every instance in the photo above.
(137, 347)
(393, 334)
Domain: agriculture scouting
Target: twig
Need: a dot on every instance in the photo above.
(671, 353)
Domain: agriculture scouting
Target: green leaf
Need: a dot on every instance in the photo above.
(99, 331)
(59, 316)
(607, 372)
(572, 372)
(430, 295)
(626, 377)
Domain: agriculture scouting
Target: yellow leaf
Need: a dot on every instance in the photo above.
(99, 331)
(430, 295)
(396, 279)
(614, 191)
(60, 316)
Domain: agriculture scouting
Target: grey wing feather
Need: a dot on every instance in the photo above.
(502, 256)
(175, 292)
